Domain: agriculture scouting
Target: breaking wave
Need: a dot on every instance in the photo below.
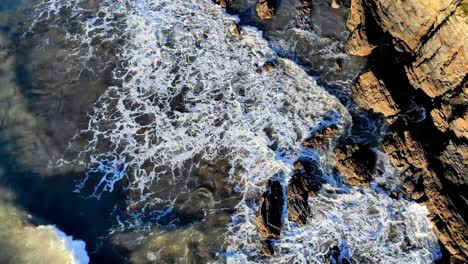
(194, 89)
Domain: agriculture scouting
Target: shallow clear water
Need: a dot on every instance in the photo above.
(149, 130)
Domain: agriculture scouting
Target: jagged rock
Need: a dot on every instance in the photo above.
(267, 247)
(356, 163)
(356, 15)
(265, 8)
(440, 117)
(371, 94)
(358, 44)
(455, 161)
(303, 14)
(224, 3)
(321, 137)
(269, 216)
(336, 4)
(404, 152)
(410, 21)
(302, 185)
(430, 40)
(460, 126)
(441, 63)
(408, 156)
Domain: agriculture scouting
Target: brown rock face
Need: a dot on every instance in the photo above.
(455, 161)
(441, 62)
(356, 164)
(303, 14)
(269, 216)
(358, 44)
(372, 95)
(224, 3)
(427, 42)
(422, 184)
(410, 21)
(265, 8)
(302, 186)
(321, 137)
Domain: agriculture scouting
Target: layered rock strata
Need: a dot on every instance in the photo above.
(417, 52)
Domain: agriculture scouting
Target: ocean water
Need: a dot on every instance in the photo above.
(152, 123)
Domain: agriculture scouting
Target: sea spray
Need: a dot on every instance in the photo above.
(191, 91)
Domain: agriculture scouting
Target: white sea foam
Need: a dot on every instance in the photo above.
(76, 249)
(193, 89)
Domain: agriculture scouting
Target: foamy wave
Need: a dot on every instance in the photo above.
(193, 90)
(76, 249)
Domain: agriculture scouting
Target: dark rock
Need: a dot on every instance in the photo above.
(270, 215)
(356, 164)
(302, 185)
(267, 247)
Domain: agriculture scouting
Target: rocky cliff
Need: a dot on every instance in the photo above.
(417, 81)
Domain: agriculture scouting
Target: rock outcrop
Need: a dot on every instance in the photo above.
(371, 94)
(303, 14)
(356, 163)
(321, 137)
(224, 3)
(302, 185)
(269, 216)
(418, 58)
(266, 8)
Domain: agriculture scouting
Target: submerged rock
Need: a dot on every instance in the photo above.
(303, 14)
(266, 8)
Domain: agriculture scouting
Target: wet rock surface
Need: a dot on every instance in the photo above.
(302, 185)
(417, 53)
(270, 214)
(322, 137)
(356, 163)
(224, 3)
